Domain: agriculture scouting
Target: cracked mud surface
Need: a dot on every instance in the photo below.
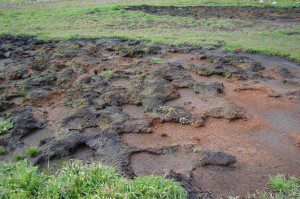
(205, 12)
(220, 123)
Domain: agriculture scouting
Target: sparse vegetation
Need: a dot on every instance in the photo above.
(156, 60)
(23, 92)
(197, 150)
(5, 127)
(283, 187)
(80, 180)
(2, 150)
(18, 156)
(225, 74)
(77, 102)
(32, 151)
(107, 73)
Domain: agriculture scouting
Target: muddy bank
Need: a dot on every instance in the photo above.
(220, 123)
(205, 12)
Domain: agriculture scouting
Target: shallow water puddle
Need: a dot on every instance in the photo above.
(34, 138)
(144, 163)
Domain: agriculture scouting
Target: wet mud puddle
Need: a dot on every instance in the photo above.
(220, 123)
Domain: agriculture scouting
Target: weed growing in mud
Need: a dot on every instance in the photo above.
(225, 74)
(80, 180)
(197, 150)
(33, 151)
(23, 92)
(156, 60)
(5, 127)
(108, 73)
(2, 150)
(167, 110)
(18, 156)
(77, 103)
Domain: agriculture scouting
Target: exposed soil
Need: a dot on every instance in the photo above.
(205, 12)
(220, 123)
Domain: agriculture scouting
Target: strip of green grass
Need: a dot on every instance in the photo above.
(79, 180)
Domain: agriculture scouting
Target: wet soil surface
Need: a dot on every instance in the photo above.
(247, 12)
(220, 123)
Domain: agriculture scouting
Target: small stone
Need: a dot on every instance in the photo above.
(198, 123)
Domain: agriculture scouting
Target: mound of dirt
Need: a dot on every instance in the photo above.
(220, 123)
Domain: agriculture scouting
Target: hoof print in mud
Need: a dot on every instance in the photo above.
(217, 159)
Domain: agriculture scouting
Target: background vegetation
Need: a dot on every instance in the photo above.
(69, 18)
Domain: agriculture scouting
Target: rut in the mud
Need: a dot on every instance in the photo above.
(220, 123)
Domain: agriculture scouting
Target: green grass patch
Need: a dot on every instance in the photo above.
(53, 20)
(156, 60)
(2, 150)
(283, 187)
(5, 127)
(108, 73)
(18, 156)
(33, 151)
(80, 180)
(287, 186)
(225, 74)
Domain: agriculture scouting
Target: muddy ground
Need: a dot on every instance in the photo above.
(220, 123)
(232, 12)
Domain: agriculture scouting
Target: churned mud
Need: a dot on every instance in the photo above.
(232, 12)
(220, 123)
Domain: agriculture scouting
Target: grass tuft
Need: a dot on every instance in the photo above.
(18, 156)
(156, 60)
(283, 187)
(108, 73)
(5, 127)
(2, 150)
(32, 151)
(225, 74)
